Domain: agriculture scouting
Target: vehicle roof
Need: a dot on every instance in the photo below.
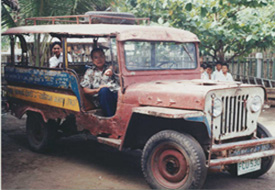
(121, 32)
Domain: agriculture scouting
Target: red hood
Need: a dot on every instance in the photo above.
(185, 94)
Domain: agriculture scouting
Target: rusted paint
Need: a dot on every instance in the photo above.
(236, 159)
(211, 126)
(123, 32)
(227, 159)
(167, 112)
(157, 33)
(111, 142)
(19, 108)
(113, 127)
(186, 99)
(188, 95)
(243, 144)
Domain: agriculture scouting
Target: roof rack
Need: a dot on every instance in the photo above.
(84, 19)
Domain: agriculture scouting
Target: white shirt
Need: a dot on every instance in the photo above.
(205, 76)
(222, 77)
(55, 62)
(216, 74)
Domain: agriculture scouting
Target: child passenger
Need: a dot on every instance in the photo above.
(207, 75)
(218, 71)
(225, 76)
(202, 69)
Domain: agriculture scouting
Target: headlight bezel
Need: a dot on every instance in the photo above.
(255, 104)
(217, 107)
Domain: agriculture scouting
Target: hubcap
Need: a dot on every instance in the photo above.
(169, 166)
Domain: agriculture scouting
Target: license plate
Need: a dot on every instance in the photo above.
(249, 166)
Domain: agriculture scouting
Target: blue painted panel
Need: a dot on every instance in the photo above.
(201, 119)
(43, 77)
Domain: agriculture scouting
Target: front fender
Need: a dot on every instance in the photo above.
(188, 115)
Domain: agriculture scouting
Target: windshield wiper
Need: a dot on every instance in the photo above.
(187, 52)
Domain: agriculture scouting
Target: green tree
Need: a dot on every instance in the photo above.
(229, 28)
(34, 8)
(12, 17)
(37, 8)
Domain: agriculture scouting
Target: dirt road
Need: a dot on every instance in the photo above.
(81, 163)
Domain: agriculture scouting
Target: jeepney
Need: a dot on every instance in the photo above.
(182, 124)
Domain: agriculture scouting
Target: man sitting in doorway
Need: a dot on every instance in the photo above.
(100, 82)
(57, 60)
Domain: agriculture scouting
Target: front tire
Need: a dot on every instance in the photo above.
(172, 160)
(41, 135)
(266, 162)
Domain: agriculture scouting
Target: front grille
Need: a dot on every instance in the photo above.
(234, 115)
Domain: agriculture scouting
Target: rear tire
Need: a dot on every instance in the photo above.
(41, 135)
(172, 160)
(266, 162)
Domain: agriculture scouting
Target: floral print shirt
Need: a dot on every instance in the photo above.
(93, 78)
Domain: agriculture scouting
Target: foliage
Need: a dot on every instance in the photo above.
(6, 17)
(225, 27)
(4, 43)
(36, 8)
(33, 8)
(7, 20)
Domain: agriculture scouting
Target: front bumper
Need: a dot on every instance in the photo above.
(223, 151)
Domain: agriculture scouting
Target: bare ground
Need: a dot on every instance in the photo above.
(81, 163)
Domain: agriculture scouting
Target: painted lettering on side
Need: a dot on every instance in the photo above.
(54, 99)
(48, 78)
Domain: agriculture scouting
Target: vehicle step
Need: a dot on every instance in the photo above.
(111, 142)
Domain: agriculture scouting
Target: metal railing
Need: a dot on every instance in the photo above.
(268, 83)
(78, 19)
(259, 69)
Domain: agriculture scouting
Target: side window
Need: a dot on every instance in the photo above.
(6, 51)
(29, 50)
(111, 54)
(80, 51)
(38, 50)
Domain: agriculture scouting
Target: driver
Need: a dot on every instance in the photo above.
(57, 60)
(100, 82)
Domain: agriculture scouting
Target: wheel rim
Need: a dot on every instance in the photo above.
(169, 165)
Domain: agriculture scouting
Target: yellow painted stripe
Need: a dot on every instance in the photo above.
(59, 100)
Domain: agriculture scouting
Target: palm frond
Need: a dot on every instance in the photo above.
(7, 20)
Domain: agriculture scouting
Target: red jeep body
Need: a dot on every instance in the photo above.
(183, 124)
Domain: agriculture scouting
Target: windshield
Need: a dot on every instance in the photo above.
(159, 55)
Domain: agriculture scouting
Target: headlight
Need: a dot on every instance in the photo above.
(256, 104)
(217, 109)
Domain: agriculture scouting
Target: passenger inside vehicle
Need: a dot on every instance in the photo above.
(100, 83)
(57, 60)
